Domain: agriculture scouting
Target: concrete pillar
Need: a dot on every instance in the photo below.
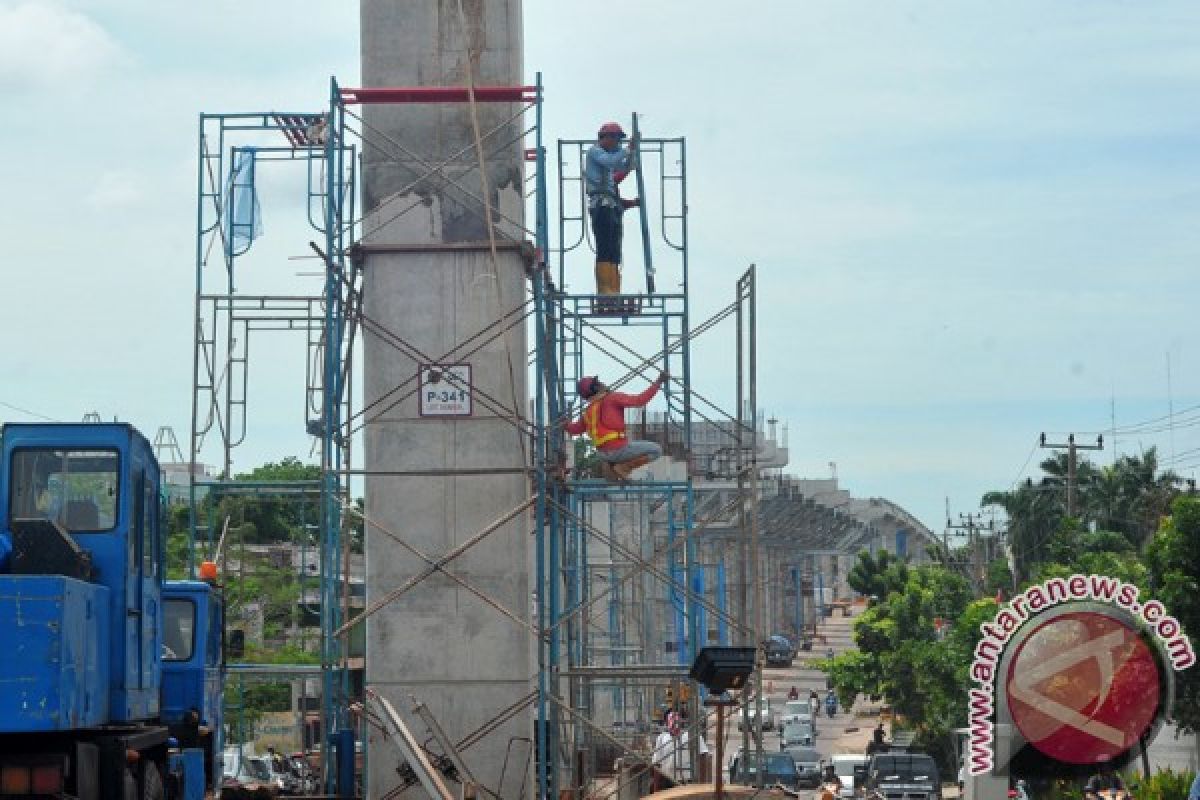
(430, 279)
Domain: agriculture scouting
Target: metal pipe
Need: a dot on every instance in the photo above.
(440, 94)
(395, 594)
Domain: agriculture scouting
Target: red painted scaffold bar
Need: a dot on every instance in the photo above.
(440, 94)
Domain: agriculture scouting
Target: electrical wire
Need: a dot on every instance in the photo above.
(27, 412)
(1159, 424)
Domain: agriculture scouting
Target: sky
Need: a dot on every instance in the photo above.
(971, 222)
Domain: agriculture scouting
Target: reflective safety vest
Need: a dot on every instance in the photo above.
(599, 434)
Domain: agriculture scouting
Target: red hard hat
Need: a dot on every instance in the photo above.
(612, 128)
(587, 386)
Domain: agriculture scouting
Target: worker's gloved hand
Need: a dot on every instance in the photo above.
(631, 203)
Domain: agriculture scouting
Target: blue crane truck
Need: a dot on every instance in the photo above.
(110, 675)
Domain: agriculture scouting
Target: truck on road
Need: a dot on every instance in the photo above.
(111, 675)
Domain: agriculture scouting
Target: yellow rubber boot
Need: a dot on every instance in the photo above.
(608, 283)
(608, 278)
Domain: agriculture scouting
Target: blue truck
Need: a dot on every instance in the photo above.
(110, 675)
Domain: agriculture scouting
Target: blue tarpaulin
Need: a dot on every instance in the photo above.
(245, 217)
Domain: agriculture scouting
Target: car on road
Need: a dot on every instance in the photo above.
(797, 711)
(246, 775)
(913, 776)
(808, 766)
(775, 768)
(779, 651)
(851, 769)
(797, 734)
(768, 723)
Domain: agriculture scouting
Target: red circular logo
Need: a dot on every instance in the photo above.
(1083, 687)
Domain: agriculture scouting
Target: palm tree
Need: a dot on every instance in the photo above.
(1034, 514)
(1106, 501)
(1148, 492)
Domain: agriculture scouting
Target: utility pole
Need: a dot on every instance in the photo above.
(1072, 463)
(946, 533)
(973, 524)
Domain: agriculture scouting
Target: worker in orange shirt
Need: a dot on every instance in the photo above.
(604, 422)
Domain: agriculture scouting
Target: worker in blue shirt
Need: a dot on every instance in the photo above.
(606, 166)
(1194, 794)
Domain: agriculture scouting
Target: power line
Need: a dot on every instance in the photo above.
(27, 412)
(1021, 471)
(1072, 459)
(1159, 424)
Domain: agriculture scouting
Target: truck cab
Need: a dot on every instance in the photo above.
(97, 689)
(193, 668)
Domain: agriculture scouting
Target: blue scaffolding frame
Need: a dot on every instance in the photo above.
(569, 323)
(225, 319)
(566, 324)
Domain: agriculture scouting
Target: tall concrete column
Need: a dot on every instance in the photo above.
(430, 278)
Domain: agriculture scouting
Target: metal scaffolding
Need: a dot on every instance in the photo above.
(628, 579)
(232, 148)
(631, 580)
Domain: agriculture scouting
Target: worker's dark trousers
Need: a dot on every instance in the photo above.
(606, 228)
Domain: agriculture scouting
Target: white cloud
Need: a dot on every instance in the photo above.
(43, 44)
(116, 189)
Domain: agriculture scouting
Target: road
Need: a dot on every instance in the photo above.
(844, 733)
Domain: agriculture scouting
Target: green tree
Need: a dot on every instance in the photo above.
(1125, 500)
(276, 518)
(1148, 494)
(903, 658)
(1033, 515)
(1072, 550)
(999, 576)
(877, 576)
(1173, 557)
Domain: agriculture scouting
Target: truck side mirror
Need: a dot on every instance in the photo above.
(236, 647)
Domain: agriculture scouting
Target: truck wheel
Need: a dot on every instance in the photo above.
(152, 783)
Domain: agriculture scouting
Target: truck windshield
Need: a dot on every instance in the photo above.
(179, 629)
(78, 489)
(902, 767)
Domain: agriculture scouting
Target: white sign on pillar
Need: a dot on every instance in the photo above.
(445, 390)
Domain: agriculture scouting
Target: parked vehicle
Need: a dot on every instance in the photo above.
(303, 773)
(797, 734)
(808, 766)
(779, 651)
(913, 776)
(797, 711)
(106, 660)
(851, 769)
(768, 718)
(1103, 794)
(246, 775)
(775, 768)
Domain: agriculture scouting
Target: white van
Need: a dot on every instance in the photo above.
(850, 769)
